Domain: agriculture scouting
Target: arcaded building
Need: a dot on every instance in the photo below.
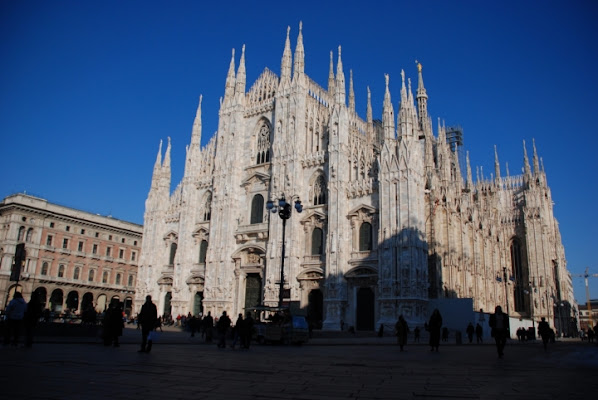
(392, 216)
(74, 259)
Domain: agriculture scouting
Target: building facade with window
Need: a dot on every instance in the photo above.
(74, 259)
(391, 214)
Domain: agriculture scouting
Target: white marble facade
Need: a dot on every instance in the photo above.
(389, 218)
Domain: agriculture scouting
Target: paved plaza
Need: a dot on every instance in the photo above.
(181, 367)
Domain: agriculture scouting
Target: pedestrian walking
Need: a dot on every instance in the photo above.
(237, 331)
(479, 333)
(445, 334)
(193, 325)
(416, 333)
(402, 331)
(208, 326)
(15, 312)
(499, 322)
(544, 332)
(434, 326)
(32, 316)
(148, 318)
(470, 331)
(113, 324)
(247, 331)
(222, 327)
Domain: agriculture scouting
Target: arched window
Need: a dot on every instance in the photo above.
(105, 277)
(365, 237)
(203, 249)
(21, 234)
(90, 276)
(173, 247)
(130, 282)
(257, 209)
(319, 191)
(76, 273)
(61, 271)
(317, 240)
(44, 268)
(518, 275)
(118, 278)
(29, 235)
(263, 145)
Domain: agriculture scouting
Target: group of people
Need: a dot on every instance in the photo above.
(478, 331)
(21, 315)
(499, 324)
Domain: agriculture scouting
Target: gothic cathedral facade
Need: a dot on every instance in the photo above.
(389, 219)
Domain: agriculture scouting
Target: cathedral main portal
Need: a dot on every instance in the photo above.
(364, 318)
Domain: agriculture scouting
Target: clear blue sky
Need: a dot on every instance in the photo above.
(88, 88)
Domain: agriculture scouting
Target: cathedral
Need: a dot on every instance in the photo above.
(298, 201)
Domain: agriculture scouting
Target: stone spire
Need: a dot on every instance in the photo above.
(340, 80)
(165, 173)
(369, 118)
(388, 123)
(526, 169)
(285, 65)
(331, 77)
(299, 59)
(469, 177)
(351, 93)
(535, 159)
(422, 97)
(194, 149)
(241, 79)
(157, 168)
(229, 90)
(368, 112)
(496, 165)
(196, 132)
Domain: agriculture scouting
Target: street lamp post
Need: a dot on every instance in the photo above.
(284, 210)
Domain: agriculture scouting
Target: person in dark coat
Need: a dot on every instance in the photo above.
(544, 332)
(148, 317)
(479, 333)
(247, 331)
(32, 316)
(113, 323)
(15, 312)
(499, 322)
(222, 327)
(434, 326)
(208, 326)
(401, 330)
(237, 331)
(470, 331)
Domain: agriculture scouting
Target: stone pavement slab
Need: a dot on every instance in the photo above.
(181, 367)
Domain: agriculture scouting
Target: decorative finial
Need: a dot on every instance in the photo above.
(288, 30)
(419, 66)
(339, 50)
(386, 78)
(300, 25)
